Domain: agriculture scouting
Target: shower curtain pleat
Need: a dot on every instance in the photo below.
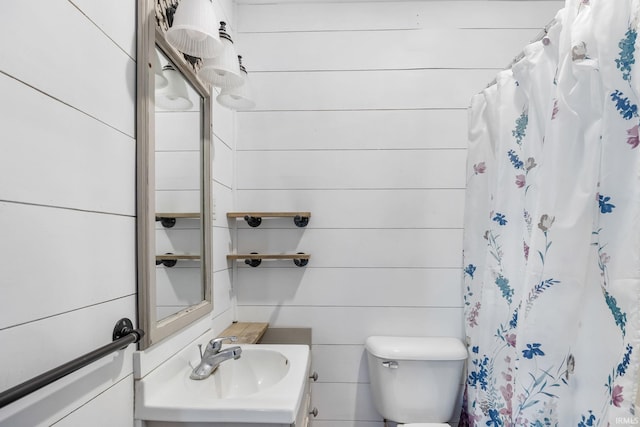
(552, 229)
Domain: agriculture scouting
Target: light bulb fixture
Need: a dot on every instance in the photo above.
(160, 80)
(223, 71)
(174, 96)
(193, 30)
(238, 97)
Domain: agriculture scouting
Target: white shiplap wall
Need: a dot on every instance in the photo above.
(67, 203)
(361, 119)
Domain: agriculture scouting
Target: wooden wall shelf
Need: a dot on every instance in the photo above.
(255, 259)
(168, 220)
(170, 260)
(254, 219)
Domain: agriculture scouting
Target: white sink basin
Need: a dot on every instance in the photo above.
(256, 370)
(266, 384)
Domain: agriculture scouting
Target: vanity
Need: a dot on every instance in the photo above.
(269, 385)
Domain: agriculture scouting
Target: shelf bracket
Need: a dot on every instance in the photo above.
(253, 221)
(167, 262)
(300, 262)
(301, 221)
(252, 262)
(166, 222)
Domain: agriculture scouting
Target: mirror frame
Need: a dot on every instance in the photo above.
(150, 36)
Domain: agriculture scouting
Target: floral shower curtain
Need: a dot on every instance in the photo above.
(552, 229)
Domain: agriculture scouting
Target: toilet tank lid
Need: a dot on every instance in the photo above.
(416, 348)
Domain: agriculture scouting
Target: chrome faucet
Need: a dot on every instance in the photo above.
(214, 356)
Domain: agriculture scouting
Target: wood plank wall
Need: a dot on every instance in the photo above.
(223, 167)
(67, 203)
(361, 119)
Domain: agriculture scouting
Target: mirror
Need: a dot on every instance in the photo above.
(174, 186)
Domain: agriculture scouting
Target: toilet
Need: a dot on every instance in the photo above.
(415, 381)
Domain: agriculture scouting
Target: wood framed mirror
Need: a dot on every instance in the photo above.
(173, 185)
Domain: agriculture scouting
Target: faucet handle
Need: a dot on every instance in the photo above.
(216, 343)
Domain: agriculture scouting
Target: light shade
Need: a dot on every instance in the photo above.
(160, 80)
(238, 97)
(194, 30)
(174, 96)
(224, 70)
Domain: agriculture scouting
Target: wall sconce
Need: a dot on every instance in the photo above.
(160, 80)
(174, 96)
(223, 71)
(238, 97)
(193, 30)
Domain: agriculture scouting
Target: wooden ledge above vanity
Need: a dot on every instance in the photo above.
(247, 332)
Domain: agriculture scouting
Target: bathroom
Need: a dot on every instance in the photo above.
(360, 118)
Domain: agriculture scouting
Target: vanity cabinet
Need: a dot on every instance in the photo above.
(302, 418)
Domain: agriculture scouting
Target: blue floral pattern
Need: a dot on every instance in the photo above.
(520, 373)
(627, 49)
(624, 106)
(520, 130)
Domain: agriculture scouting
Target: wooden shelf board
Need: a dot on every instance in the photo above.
(176, 256)
(268, 256)
(247, 332)
(178, 215)
(268, 214)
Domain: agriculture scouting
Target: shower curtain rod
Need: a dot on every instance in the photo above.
(521, 55)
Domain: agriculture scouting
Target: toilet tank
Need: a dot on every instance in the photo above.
(415, 379)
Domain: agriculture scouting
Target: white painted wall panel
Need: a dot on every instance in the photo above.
(403, 208)
(222, 294)
(352, 325)
(179, 286)
(67, 258)
(317, 16)
(373, 169)
(374, 248)
(178, 240)
(221, 247)
(340, 363)
(352, 130)
(110, 20)
(223, 122)
(177, 131)
(81, 331)
(67, 74)
(36, 142)
(368, 90)
(344, 401)
(177, 170)
(223, 203)
(178, 201)
(62, 53)
(393, 287)
(380, 50)
(99, 412)
(223, 163)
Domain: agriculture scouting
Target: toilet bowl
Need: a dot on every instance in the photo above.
(415, 380)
